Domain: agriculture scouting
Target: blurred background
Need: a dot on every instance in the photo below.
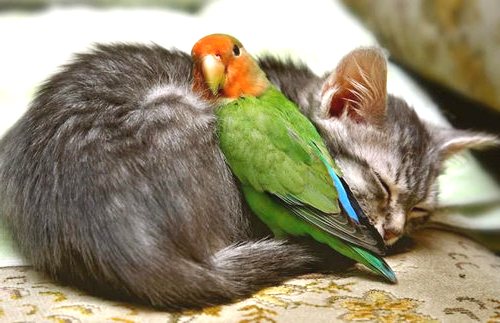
(189, 5)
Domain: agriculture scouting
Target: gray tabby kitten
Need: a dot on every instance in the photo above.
(113, 180)
(390, 157)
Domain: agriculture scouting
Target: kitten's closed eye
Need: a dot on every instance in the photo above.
(418, 212)
(418, 215)
(385, 186)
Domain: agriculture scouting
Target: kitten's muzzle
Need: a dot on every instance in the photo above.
(391, 236)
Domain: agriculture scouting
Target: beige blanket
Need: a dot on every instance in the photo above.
(444, 277)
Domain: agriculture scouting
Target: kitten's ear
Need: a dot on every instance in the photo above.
(357, 88)
(452, 141)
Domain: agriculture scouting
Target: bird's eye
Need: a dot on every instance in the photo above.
(236, 50)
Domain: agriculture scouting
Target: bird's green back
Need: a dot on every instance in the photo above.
(269, 145)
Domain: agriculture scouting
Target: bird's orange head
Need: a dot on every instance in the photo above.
(224, 69)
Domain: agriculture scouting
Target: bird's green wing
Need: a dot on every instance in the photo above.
(271, 149)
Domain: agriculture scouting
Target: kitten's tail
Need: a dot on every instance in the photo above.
(232, 273)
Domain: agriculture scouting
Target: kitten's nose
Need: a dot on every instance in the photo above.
(394, 226)
(391, 236)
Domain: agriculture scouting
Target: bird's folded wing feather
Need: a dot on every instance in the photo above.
(268, 153)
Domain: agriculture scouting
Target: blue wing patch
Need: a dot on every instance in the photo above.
(342, 194)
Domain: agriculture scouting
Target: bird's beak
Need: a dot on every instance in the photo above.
(214, 72)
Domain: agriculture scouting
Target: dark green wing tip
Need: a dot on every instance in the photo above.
(377, 265)
(391, 276)
(386, 271)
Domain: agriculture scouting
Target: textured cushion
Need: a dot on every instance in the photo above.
(444, 277)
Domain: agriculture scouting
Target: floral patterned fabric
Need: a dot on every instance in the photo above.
(442, 277)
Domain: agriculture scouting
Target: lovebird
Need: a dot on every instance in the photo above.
(287, 175)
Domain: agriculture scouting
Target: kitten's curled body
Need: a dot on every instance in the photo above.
(113, 181)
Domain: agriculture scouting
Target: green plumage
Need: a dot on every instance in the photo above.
(273, 150)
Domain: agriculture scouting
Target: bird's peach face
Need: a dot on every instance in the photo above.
(215, 56)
